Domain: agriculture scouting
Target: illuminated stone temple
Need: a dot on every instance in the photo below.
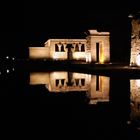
(96, 87)
(135, 40)
(95, 48)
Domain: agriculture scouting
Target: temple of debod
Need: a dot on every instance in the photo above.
(94, 48)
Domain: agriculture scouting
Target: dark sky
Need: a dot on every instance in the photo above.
(42, 20)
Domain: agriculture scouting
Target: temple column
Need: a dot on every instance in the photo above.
(59, 46)
(80, 84)
(79, 46)
(74, 45)
(65, 45)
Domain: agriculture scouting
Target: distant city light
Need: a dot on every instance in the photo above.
(128, 122)
(13, 58)
(0, 72)
(13, 69)
(7, 57)
(7, 71)
(130, 16)
(138, 128)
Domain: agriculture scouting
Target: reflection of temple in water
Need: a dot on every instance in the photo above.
(96, 87)
(135, 99)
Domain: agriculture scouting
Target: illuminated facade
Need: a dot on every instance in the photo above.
(96, 87)
(135, 42)
(135, 100)
(95, 48)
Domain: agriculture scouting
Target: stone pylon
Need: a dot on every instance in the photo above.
(135, 39)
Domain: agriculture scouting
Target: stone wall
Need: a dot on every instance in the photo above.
(135, 41)
(38, 52)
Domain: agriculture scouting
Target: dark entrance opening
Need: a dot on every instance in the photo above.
(97, 51)
(97, 83)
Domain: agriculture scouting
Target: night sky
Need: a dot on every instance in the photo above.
(40, 21)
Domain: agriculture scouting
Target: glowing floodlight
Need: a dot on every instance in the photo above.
(102, 59)
(138, 83)
(138, 60)
(55, 56)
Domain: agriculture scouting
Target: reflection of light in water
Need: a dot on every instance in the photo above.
(99, 89)
(135, 101)
(56, 74)
(96, 87)
(39, 78)
(138, 60)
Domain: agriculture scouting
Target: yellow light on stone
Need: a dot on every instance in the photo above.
(138, 60)
(55, 55)
(79, 55)
(101, 56)
(102, 59)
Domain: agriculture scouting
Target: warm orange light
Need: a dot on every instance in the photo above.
(101, 57)
(101, 83)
